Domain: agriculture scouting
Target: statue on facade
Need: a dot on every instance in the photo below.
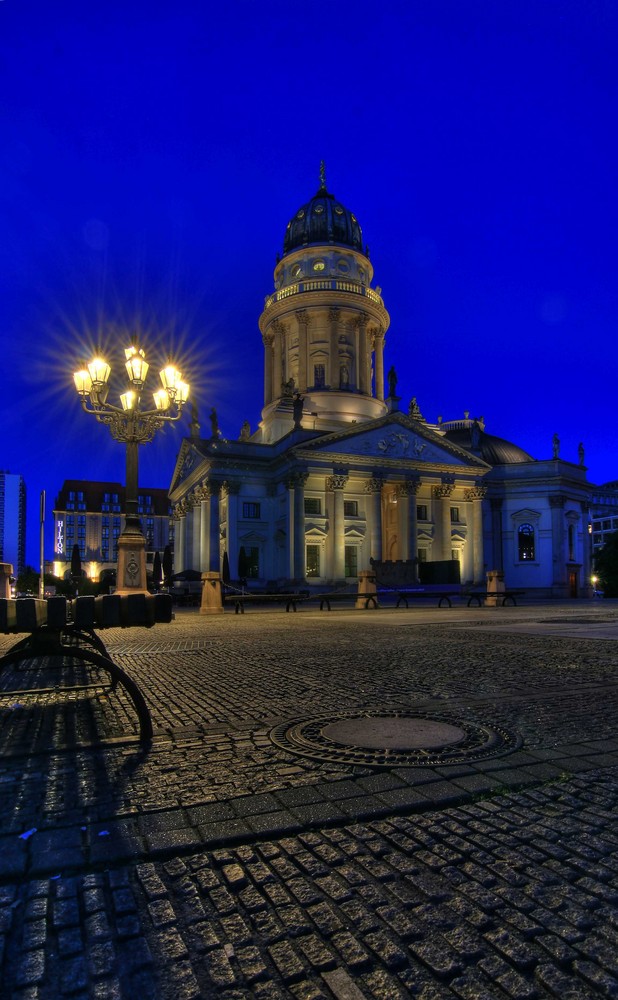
(392, 381)
(414, 409)
(297, 410)
(580, 452)
(344, 377)
(287, 388)
(556, 445)
(214, 424)
(245, 431)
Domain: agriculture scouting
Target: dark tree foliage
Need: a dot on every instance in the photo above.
(606, 565)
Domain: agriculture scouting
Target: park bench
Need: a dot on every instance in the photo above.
(63, 628)
(239, 599)
(503, 598)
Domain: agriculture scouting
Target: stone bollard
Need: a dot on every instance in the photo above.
(495, 586)
(366, 587)
(212, 594)
(6, 572)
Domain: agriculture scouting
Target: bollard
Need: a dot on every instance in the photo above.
(212, 594)
(366, 587)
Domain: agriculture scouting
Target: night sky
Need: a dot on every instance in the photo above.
(152, 154)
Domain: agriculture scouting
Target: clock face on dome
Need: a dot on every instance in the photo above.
(319, 265)
(296, 270)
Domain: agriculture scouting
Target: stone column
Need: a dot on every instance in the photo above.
(196, 500)
(302, 317)
(204, 533)
(180, 511)
(362, 381)
(379, 363)
(232, 489)
(496, 534)
(443, 493)
(299, 526)
(556, 504)
(408, 525)
(373, 487)
(214, 489)
(475, 496)
(269, 387)
(333, 375)
(337, 483)
(278, 352)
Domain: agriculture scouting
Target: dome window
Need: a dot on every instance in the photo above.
(319, 265)
(338, 210)
(300, 214)
(318, 209)
(343, 266)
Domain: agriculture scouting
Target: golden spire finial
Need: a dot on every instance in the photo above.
(322, 176)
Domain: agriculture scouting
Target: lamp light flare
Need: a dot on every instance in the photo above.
(162, 399)
(137, 368)
(182, 391)
(99, 371)
(129, 400)
(83, 382)
(170, 376)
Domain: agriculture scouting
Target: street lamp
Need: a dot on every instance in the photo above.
(131, 425)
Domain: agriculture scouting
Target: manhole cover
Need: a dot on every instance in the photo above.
(396, 739)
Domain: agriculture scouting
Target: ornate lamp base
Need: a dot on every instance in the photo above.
(131, 572)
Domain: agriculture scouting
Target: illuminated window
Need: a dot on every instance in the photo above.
(525, 542)
(313, 560)
(350, 509)
(313, 506)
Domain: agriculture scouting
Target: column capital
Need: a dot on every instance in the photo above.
(268, 338)
(212, 487)
(334, 314)
(303, 317)
(337, 481)
(296, 480)
(475, 493)
(231, 488)
(180, 509)
(443, 491)
(409, 488)
(374, 485)
(277, 326)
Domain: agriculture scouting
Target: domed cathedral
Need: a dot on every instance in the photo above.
(323, 328)
(337, 476)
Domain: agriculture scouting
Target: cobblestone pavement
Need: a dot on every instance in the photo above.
(226, 862)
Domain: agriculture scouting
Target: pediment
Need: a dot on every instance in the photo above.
(188, 460)
(394, 438)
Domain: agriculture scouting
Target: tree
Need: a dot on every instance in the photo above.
(606, 565)
(27, 582)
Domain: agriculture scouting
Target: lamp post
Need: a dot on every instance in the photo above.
(132, 426)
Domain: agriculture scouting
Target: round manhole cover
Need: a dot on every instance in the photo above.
(396, 739)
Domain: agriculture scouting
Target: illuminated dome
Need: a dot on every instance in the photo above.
(323, 220)
(469, 434)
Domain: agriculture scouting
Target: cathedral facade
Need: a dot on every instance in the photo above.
(339, 474)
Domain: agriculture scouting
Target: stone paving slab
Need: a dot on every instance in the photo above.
(219, 865)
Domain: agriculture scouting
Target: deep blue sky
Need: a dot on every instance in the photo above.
(152, 154)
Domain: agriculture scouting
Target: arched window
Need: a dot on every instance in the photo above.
(525, 542)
